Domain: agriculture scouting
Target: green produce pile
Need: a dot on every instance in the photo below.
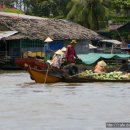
(116, 75)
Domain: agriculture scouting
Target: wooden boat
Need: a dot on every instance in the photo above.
(44, 76)
(41, 72)
(41, 76)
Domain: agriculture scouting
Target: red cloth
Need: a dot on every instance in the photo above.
(70, 54)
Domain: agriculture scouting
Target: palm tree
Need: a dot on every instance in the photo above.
(54, 7)
(87, 12)
(48, 8)
(122, 7)
(7, 2)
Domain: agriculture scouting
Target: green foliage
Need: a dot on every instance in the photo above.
(120, 8)
(128, 37)
(87, 12)
(12, 10)
(93, 14)
(7, 2)
(119, 19)
(46, 8)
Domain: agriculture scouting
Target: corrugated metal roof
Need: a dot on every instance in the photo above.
(7, 33)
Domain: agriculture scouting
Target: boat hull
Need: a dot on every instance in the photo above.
(43, 76)
(40, 71)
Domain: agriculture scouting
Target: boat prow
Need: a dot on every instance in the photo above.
(41, 76)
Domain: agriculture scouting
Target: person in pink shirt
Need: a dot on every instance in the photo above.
(70, 52)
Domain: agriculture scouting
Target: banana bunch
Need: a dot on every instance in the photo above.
(86, 73)
(116, 75)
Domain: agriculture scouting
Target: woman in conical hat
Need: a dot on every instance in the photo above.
(63, 52)
(63, 49)
(57, 60)
(59, 52)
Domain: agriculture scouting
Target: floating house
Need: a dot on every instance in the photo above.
(21, 33)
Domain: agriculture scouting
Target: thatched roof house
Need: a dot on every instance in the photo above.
(30, 27)
(22, 33)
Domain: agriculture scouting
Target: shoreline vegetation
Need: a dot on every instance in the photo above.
(100, 14)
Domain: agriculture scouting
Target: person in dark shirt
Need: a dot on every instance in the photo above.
(70, 58)
(70, 52)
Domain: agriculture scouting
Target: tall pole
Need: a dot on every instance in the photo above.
(112, 49)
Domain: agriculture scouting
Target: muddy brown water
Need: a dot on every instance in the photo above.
(25, 105)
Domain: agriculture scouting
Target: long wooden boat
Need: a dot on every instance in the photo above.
(43, 76)
(43, 73)
(40, 71)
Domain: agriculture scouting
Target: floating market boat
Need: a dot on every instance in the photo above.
(53, 75)
(42, 72)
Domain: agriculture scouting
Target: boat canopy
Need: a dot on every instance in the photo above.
(116, 42)
(91, 46)
(93, 57)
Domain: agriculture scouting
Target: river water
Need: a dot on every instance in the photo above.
(25, 105)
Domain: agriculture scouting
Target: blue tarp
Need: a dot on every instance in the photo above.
(55, 45)
(93, 57)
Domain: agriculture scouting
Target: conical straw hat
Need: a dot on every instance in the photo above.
(59, 52)
(63, 49)
(48, 39)
(73, 42)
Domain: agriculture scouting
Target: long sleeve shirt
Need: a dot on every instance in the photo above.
(70, 54)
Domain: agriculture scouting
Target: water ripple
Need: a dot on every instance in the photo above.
(26, 105)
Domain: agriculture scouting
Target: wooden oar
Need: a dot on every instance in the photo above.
(46, 74)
